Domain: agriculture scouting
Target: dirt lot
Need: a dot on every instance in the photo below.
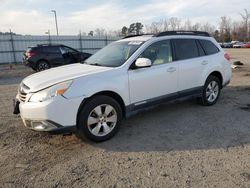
(174, 145)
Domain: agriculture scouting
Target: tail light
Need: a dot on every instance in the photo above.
(30, 54)
(227, 57)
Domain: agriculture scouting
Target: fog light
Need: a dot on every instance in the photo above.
(42, 125)
(27, 123)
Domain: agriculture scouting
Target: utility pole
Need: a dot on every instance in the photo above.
(55, 21)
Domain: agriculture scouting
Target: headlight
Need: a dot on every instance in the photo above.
(53, 91)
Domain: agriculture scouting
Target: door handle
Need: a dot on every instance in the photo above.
(204, 62)
(171, 69)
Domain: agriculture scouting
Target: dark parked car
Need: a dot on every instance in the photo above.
(42, 57)
(226, 45)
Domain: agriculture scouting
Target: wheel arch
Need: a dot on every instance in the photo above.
(218, 75)
(108, 93)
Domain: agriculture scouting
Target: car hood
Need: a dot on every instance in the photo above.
(44, 79)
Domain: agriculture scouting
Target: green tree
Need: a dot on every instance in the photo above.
(124, 31)
(135, 28)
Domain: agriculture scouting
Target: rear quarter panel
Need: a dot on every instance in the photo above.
(217, 62)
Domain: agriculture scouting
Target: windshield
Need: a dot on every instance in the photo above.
(115, 54)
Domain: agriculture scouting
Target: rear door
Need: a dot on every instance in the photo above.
(189, 55)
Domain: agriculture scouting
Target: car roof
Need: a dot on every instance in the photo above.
(46, 45)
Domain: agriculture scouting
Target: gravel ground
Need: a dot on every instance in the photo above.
(174, 145)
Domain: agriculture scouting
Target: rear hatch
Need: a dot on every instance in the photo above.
(28, 54)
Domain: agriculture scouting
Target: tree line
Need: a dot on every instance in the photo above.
(226, 31)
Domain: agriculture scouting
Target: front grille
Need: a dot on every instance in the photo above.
(22, 96)
(22, 92)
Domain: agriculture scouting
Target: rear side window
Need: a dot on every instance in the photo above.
(200, 49)
(51, 49)
(209, 47)
(185, 49)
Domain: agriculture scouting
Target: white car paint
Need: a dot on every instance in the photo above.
(53, 76)
(133, 86)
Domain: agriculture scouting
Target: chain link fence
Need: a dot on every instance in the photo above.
(12, 46)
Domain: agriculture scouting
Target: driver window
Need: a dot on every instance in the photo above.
(159, 52)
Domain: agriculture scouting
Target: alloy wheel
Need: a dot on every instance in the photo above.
(212, 91)
(102, 120)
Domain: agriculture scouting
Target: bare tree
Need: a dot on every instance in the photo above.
(246, 18)
(196, 27)
(155, 27)
(208, 28)
(225, 29)
(174, 23)
(187, 25)
(166, 25)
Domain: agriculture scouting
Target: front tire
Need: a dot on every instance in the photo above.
(211, 91)
(99, 119)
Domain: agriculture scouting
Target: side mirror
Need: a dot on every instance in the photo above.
(143, 62)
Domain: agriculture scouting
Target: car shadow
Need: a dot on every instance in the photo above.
(187, 126)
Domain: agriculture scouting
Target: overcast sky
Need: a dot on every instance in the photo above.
(35, 16)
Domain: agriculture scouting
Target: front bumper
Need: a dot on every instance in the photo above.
(56, 114)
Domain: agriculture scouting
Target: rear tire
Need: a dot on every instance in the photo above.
(42, 65)
(99, 119)
(211, 91)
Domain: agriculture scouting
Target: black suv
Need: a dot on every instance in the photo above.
(42, 57)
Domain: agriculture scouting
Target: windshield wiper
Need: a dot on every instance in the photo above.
(95, 64)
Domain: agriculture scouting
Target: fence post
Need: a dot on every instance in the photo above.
(106, 40)
(80, 40)
(49, 36)
(13, 47)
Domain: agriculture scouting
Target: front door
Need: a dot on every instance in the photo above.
(155, 82)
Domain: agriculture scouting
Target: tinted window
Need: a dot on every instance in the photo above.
(51, 49)
(65, 49)
(209, 47)
(185, 49)
(158, 53)
(200, 49)
(33, 49)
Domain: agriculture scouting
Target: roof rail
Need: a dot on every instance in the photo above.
(196, 33)
(53, 44)
(130, 36)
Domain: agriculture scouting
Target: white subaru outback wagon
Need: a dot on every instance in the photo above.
(91, 98)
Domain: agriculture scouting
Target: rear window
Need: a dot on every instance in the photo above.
(209, 47)
(185, 49)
